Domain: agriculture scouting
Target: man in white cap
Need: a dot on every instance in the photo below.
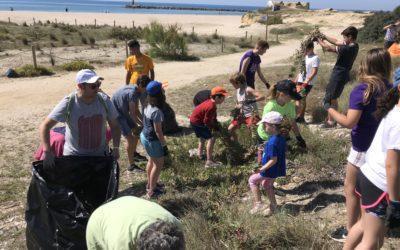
(85, 112)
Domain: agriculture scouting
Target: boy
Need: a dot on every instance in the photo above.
(250, 64)
(347, 51)
(390, 36)
(204, 120)
(137, 64)
(126, 102)
(306, 80)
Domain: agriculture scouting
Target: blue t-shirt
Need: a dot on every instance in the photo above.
(275, 147)
(122, 97)
(364, 131)
(151, 115)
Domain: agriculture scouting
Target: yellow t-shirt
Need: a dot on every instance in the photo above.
(138, 66)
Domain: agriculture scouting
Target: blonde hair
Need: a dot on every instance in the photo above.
(374, 69)
(238, 78)
(273, 93)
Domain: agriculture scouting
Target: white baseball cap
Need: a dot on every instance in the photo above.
(272, 117)
(87, 76)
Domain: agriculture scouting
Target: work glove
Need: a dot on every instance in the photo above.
(393, 214)
(166, 151)
(48, 161)
(301, 142)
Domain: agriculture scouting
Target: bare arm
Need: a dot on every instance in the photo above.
(245, 66)
(45, 127)
(327, 47)
(260, 74)
(159, 133)
(152, 74)
(388, 26)
(347, 121)
(269, 164)
(128, 77)
(392, 173)
(334, 41)
(115, 133)
(295, 128)
(256, 94)
(314, 72)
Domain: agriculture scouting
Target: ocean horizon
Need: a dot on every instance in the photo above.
(98, 6)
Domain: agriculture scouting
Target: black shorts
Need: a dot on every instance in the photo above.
(373, 200)
(202, 132)
(338, 80)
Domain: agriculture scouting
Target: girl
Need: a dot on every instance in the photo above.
(152, 137)
(374, 72)
(280, 101)
(246, 102)
(378, 182)
(273, 164)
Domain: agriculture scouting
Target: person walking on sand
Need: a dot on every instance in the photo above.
(378, 181)
(85, 112)
(137, 64)
(250, 64)
(346, 51)
(273, 164)
(374, 74)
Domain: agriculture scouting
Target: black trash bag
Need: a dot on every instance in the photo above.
(61, 200)
(10, 73)
(169, 125)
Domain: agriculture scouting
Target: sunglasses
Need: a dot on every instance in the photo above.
(93, 85)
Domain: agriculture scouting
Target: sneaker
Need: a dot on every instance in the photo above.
(213, 164)
(259, 207)
(192, 152)
(340, 234)
(138, 157)
(135, 169)
(153, 194)
(300, 120)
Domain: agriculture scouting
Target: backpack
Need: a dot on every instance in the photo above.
(71, 100)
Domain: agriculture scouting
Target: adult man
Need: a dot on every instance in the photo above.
(250, 64)
(126, 101)
(347, 51)
(390, 36)
(137, 64)
(133, 223)
(85, 112)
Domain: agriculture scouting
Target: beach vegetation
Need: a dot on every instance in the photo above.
(84, 40)
(76, 65)
(64, 41)
(29, 70)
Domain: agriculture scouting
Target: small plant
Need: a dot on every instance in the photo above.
(92, 41)
(244, 43)
(30, 71)
(209, 40)
(25, 41)
(283, 31)
(76, 65)
(53, 37)
(193, 37)
(84, 40)
(64, 41)
(215, 35)
(53, 45)
(24, 24)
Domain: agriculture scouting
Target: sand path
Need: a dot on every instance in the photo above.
(23, 96)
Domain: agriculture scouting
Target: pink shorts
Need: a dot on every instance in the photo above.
(256, 179)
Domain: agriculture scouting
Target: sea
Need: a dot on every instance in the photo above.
(99, 6)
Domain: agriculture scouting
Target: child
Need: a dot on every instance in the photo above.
(306, 80)
(378, 182)
(126, 101)
(390, 36)
(281, 97)
(273, 164)
(152, 137)
(246, 102)
(203, 120)
(250, 64)
(346, 51)
(374, 72)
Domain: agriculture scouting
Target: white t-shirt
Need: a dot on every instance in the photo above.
(311, 62)
(387, 137)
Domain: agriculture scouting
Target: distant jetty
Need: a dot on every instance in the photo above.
(166, 7)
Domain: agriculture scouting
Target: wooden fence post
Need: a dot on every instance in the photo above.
(251, 38)
(133, 24)
(76, 23)
(9, 20)
(266, 29)
(126, 48)
(114, 23)
(277, 37)
(222, 44)
(246, 35)
(193, 29)
(56, 20)
(34, 56)
(34, 21)
(95, 22)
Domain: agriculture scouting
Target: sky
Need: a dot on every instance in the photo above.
(315, 4)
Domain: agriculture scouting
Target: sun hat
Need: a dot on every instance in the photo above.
(218, 91)
(396, 78)
(272, 117)
(154, 88)
(288, 87)
(87, 76)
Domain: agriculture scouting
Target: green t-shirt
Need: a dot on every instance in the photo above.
(288, 110)
(118, 224)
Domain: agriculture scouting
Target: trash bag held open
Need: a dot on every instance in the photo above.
(61, 200)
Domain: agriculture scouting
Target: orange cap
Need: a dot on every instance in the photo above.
(218, 91)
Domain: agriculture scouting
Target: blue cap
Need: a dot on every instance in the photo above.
(396, 78)
(154, 88)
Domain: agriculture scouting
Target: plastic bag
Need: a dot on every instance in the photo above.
(60, 201)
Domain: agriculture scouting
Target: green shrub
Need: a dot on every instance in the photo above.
(53, 37)
(64, 41)
(92, 41)
(124, 33)
(283, 31)
(84, 40)
(272, 19)
(24, 41)
(193, 38)
(215, 35)
(76, 66)
(30, 71)
(166, 42)
(244, 43)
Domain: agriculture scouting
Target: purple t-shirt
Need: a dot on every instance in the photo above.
(255, 60)
(363, 133)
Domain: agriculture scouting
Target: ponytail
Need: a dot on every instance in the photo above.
(273, 94)
(386, 103)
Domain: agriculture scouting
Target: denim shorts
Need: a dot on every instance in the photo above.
(153, 148)
(126, 125)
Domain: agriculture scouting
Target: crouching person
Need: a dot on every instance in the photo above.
(85, 113)
(133, 223)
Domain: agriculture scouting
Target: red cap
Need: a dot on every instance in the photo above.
(218, 91)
